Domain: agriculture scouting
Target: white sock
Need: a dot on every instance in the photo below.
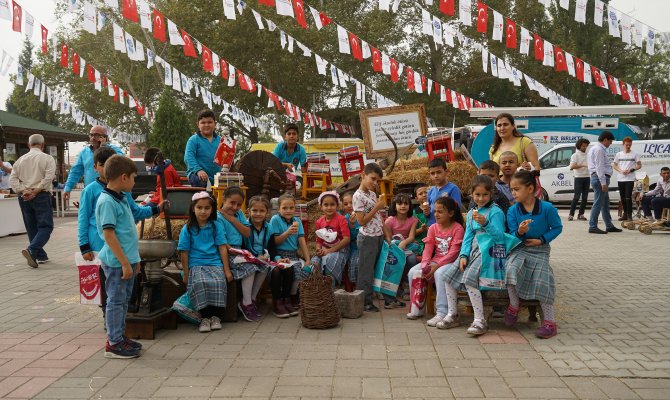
(513, 296)
(452, 299)
(477, 302)
(548, 311)
(247, 285)
(259, 278)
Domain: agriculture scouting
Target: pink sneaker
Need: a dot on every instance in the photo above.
(511, 315)
(547, 330)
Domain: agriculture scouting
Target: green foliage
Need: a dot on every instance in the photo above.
(171, 129)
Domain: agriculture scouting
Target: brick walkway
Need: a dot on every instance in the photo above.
(614, 340)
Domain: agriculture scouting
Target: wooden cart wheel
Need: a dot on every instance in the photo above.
(646, 230)
(254, 166)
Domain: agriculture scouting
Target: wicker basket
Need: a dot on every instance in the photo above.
(318, 309)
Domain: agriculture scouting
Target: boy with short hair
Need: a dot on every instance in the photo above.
(443, 188)
(366, 206)
(200, 151)
(509, 163)
(120, 255)
(291, 153)
(492, 170)
(171, 176)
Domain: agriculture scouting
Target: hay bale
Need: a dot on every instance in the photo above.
(154, 228)
(458, 172)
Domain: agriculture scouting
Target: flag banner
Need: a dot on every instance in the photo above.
(159, 25)
(651, 35)
(229, 9)
(497, 26)
(175, 36)
(343, 40)
(482, 17)
(90, 24)
(625, 29)
(580, 11)
(447, 7)
(510, 34)
(570, 62)
(525, 41)
(612, 22)
(284, 7)
(465, 12)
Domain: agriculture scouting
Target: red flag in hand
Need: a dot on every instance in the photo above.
(207, 63)
(64, 56)
(395, 65)
(510, 37)
(18, 17)
(45, 41)
(299, 9)
(482, 17)
(129, 10)
(579, 69)
(356, 49)
(561, 65)
(447, 7)
(189, 49)
(159, 26)
(539, 48)
(376, 59)
(75, 63)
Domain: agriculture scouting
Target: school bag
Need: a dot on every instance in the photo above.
(389, 269)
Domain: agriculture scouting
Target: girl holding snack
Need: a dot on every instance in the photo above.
(442, 246)
(237, 228)
(204, 258)
(289, 236)
(486, 218)
(332, 237)
(529, 274)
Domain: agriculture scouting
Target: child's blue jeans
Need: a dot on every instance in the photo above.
(118, 295)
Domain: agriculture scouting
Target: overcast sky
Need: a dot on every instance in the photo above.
(652, 12)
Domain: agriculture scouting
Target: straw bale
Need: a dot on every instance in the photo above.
(154, 228)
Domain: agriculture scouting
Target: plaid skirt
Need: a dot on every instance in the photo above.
(353, 265)
(207, 287)
(242, 270)
(333, 264)
(296, 262)
(529, 270)
(470, 277)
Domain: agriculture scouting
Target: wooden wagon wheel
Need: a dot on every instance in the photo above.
(646, 230)
(261, 168)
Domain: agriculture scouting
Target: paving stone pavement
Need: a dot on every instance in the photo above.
(613, 342)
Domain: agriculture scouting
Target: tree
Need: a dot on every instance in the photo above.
(25, 103)
(171, 129)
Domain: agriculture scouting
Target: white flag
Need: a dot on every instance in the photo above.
(98, 81)
(365, 49)
(429, 85)
(651, 36)
(587, 73)
(150, 58)
(185, 84)
(216, 63)
(429, 2)
(231, 76)
(545, 2)
(565, 4)
(114, 4)
(90, 24)
(110, 87)
(36, 88)
(146, 15)
(448, 34)
(580, 11)
(497, 26)
(130, 46)
(427, 23)
(418, 85)
(31, 81)
(4, 10)
(139, 51)
(637, 35)
(443, 94)
(333, 75)
(494, 65)
(305, 50)
(175, 36)
(100, 21)
(28, 24)
(625, 28)
(612, 21)
(465, 12)
(548, 54)
(229, 9)
(176, 80)
(259, 19)
(167, 75)
(282, 39)
(485, 60)
(570, 63)
(386, 64)
(384, 4)
(395, 5)
(437, 30)
(321, 64)
(317, 17)
(454, 99)
(517, 76)
(119, 39)
(290, 43)
(343, 40)
(131, 102)
(603, 78)
(598, 13)
(524, 47)
(19, 74)
(284, 7)
(271, 25)
(342, 78)
(43, 92)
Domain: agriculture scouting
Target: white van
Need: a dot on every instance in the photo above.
(557, 178)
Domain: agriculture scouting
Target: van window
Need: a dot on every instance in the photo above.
(548, 161)
(563, 157)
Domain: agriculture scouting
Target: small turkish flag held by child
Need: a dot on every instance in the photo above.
(207, 63)
(539, 48)
(89, 280)
(510, 34)
(75, 63)
(64, 56)
(189, 49)
(129, 10)
(45, 41)
(299, 8)
(225, 152)
(159, 26)
(482, 17)
(376, 59)
(356, 49)
(447, 7)
(18, 17)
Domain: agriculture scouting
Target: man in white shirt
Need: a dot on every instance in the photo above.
(580, 169)
(626, 162)
(659, 197)
(31, 178)
(601, 171)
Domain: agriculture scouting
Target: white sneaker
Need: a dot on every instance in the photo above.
(450, 321)
(216, 323)
(411, 315)
(433, 321)
(205, 325)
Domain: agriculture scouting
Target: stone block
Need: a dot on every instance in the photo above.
(350, 304)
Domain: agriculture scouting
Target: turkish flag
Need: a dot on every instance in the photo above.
(64, 56)
(140, 108)
(579, 69)
(299, 8)
(376, 59)
(90, 73)
(45, 41)
(207, 63)
(104, 81)
(129, 10)
(539, 47)
(75, 63)
(325, 20)
(624, 90)
(596, 77)
(224, 69)
(356, 49)
(482, 17)
(116, 93)
(18, 17)
(242, 81)
(459, 98)
(395, 65)
(269, 3)
(646, 100)
(560, 65)
(655, 103)
(510, 34)
(447, 7)
(636, 95)
(612, 84)
(159, 26)
(410, 79)
(436, 87)
(450, 100)
(424, 83)
(664, 106)
(189, 49)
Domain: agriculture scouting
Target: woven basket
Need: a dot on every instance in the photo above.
(318, 309)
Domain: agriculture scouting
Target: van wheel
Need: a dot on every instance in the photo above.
(545, 196)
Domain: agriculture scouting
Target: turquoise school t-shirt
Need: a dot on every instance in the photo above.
(203, 244)
(233, 236)
(113, 212)
(279, 225)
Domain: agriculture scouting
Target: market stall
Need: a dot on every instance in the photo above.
(12, 221)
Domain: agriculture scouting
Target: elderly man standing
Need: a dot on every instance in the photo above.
(601, 172)
(31, 178)
(84, 164)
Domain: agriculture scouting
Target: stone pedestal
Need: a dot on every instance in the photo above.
(350, 304)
